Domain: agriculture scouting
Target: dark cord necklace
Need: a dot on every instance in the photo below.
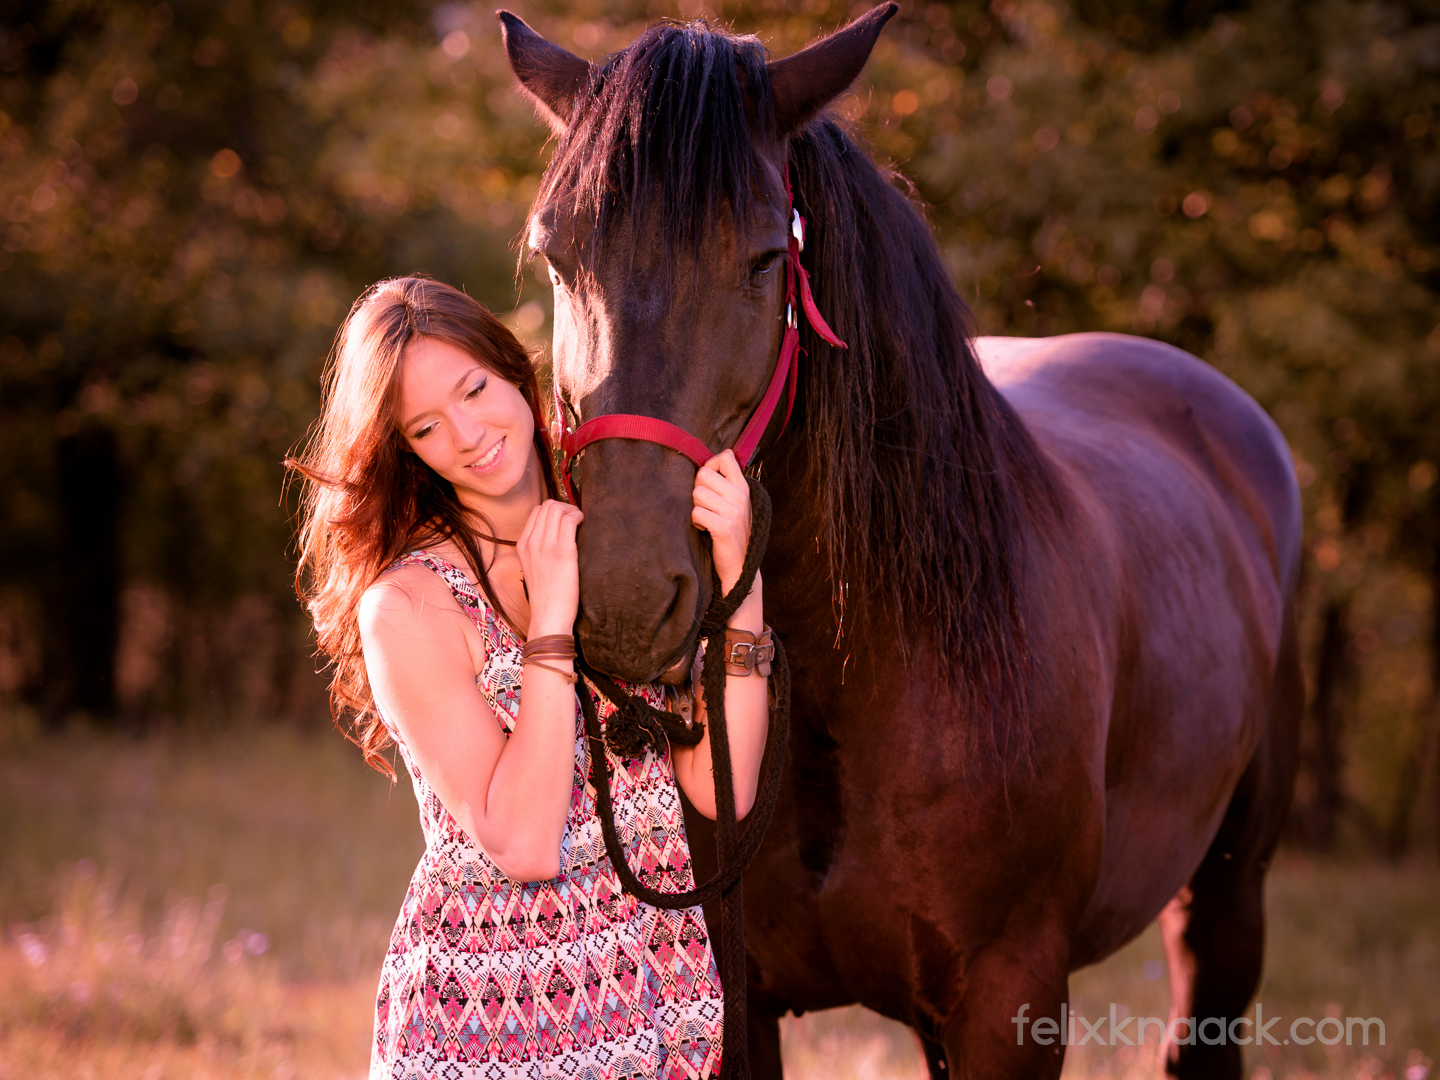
(508, 543)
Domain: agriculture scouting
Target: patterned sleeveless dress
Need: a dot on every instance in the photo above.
(492, 979)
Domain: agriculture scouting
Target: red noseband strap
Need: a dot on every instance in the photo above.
(639, 428)
(787, 367)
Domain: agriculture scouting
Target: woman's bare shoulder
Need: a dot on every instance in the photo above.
(408, 600)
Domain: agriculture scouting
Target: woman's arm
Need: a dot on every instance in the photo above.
(722, 508)
(510, 795)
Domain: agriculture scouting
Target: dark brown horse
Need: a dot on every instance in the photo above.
(1037, 594)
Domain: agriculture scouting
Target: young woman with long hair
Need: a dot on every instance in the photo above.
(439, 566)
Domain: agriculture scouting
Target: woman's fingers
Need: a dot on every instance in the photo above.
(726, 464)
(722, 475)
(558, 522)
(713, 480)
(718, 501)
(569, 519)
(549, 559)
(722, 503)
(711, 475)
(531, 524)
(722, 491)
(706, 520)
(549, 531)
(552, 523)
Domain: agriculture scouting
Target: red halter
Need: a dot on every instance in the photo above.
(651, 429)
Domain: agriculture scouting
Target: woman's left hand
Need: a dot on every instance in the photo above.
(722, 508)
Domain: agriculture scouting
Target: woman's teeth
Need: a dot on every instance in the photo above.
(490, 456)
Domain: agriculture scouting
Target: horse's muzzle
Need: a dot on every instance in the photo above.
(641, 563)
(633, 627)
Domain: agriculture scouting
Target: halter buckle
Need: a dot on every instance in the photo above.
(797, 229)
(748, 653)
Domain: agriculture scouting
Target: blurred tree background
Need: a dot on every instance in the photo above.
(193, 193)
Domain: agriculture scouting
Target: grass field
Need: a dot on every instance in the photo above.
(217, 907)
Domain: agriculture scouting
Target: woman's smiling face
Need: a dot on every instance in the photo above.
(465, 422)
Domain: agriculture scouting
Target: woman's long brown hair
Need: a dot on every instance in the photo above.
(366, 497)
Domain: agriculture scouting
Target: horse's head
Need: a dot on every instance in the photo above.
(664, 220)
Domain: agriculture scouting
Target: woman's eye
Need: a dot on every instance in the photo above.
(476, 390)
(426, 430)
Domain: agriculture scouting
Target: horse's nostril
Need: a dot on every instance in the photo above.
(674, 607)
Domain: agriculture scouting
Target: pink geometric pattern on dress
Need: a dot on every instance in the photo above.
(492, 979)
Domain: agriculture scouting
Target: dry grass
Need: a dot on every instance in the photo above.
(96, 989)
(218, 908)
(178, 908)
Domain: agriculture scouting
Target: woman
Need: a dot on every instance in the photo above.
(436, 558)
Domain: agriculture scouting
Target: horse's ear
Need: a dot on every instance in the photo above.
(551, 77)
(805, 83)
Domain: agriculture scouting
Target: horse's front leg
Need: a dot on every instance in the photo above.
(763, 1030)
(936, 1062)
(1009, 986)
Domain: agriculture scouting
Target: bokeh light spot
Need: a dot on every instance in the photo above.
(225, 163)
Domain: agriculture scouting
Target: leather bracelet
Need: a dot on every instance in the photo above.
(547, 654)
(747, 654)
(549, 647)
(568, 676)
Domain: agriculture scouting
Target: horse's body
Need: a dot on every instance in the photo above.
(1187, 505)
(930, 889)
(1059, 700)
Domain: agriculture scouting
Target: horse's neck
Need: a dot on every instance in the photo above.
(798, 567)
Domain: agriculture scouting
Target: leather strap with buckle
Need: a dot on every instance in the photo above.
(747, 654)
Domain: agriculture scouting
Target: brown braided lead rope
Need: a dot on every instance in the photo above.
(636, 725)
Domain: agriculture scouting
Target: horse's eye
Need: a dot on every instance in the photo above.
(763, 266)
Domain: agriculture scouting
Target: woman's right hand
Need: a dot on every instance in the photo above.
(551, 565)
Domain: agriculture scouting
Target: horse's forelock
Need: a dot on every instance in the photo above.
(669, 138)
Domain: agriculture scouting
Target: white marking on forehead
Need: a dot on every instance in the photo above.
(539, 234)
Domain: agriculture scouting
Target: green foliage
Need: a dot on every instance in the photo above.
(194, 193)
(195, 196)
(1259, 189)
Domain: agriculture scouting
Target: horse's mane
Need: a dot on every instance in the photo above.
(921, 470)
(924, 472)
